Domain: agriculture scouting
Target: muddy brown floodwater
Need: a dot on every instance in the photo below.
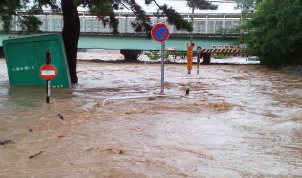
(237, 121)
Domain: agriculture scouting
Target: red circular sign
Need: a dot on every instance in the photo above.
(198, 50)
(160, 32)
(48, 72)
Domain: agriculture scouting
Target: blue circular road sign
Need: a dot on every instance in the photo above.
(160, 32)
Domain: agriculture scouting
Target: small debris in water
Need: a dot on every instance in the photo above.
(35, 154)
(3, 142)
(151, 98)
(60, 116)
(113, 150)
(116, 151)
(220, 106)
(187, 91)
(138, 111)
(89, 148)
(59, 135)
(29, 129)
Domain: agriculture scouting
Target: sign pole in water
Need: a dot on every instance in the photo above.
(47, 91)
(162, 81)
(198, 51)
(160, 33)
(47, 73)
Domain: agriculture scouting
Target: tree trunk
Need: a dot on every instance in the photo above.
(130, 55)
(1, 52)
(206, 58)
(70, 34)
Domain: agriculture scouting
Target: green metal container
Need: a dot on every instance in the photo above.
(24, 57)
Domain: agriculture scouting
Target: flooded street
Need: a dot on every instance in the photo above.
(237, 121)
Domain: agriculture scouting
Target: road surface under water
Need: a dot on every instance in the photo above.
(237, 121)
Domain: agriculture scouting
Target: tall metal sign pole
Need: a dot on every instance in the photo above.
(162, 78)
(47, 73)
(198, 52)
(160, 33)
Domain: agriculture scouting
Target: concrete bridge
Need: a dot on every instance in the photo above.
(204, 23)
(215, 33)
(92, 41)
(132, 46)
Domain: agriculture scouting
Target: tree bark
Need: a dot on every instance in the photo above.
(70, 34)
(1, 52)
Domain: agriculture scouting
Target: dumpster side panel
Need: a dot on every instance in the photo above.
(25, 56)
(56, 49)
(21, 64)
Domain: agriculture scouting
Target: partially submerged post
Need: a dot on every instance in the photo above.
(162, 78)
(198, 52)
(189, 57)
(160, 33)
(47, 73)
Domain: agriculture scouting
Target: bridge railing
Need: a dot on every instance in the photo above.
(203, 23)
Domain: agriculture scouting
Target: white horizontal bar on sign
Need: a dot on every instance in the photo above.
(48, 72)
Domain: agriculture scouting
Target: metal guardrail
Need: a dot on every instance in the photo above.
(204, 23)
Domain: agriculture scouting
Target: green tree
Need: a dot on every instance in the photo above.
(199, 4)
(103, 9)
(274, 32)
(27, 20)
(246, 6)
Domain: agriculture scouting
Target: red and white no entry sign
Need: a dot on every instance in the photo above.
(48, 72)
